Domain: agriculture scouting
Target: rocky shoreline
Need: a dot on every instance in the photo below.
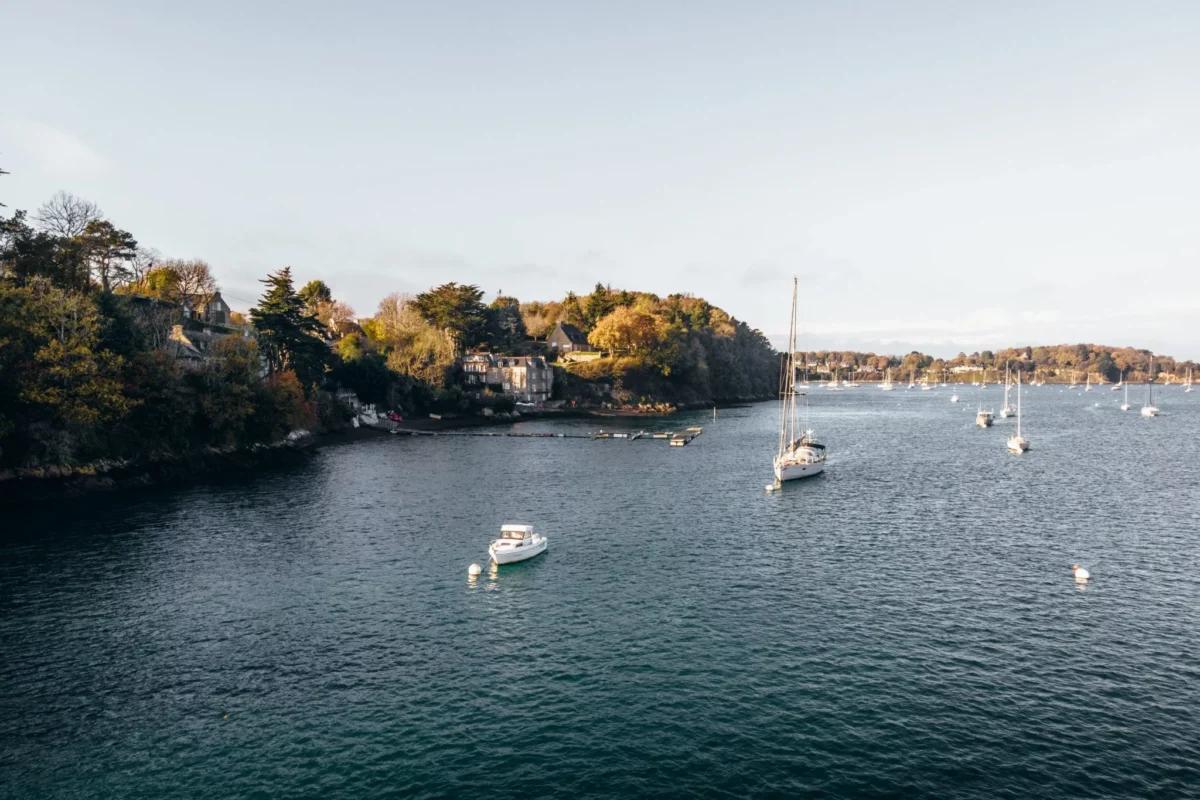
(46, 484)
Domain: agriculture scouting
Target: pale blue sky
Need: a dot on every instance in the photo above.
(941, 175)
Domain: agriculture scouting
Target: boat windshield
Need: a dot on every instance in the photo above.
(514, 535)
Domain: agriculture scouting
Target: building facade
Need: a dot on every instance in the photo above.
(527, 379)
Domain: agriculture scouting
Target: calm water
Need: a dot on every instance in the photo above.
(904, 625)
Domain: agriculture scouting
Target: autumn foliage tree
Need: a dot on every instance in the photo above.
(627, 330)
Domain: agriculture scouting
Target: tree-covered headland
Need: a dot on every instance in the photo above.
(109, 352)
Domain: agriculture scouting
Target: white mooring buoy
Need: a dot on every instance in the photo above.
(474, 570)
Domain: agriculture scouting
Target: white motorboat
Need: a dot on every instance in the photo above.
(953, 398)
(799, 454)
(1018, 443)
(516, 543)
(983, 417)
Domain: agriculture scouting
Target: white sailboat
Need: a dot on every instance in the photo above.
(1125, 406)
(1187, 385)
(912, 379)
(887, 386)
(799, 454)
(1018, 443)
(1007, 409)
(1088, 388)
(1149, 409)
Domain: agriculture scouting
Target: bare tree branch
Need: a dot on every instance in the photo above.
(66, 215)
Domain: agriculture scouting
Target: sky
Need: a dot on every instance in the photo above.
(941, 176)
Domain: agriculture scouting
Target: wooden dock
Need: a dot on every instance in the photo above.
(674, 438)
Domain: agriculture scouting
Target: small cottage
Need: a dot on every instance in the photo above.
(212, 309)
(566, 338)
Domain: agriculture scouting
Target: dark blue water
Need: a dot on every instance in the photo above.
(905, 625)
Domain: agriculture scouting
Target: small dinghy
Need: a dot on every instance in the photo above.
(516, 543)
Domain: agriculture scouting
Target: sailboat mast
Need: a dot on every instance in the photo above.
(1150, 384)
(1018, 403)
(787, 421)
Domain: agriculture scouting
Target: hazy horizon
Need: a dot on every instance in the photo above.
(941, 178)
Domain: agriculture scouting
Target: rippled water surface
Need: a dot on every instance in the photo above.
(905, 624)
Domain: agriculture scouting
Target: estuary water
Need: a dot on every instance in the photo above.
(904, 625)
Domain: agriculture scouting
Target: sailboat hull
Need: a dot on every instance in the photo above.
(792, 472)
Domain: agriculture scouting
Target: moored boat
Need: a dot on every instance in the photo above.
(1018, 443)
(1007, 409)
(516, 543)
(799, 455)
(1149, 409)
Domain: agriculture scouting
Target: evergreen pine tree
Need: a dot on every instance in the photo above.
(288, 336)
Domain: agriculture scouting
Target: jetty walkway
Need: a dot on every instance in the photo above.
(674, 438)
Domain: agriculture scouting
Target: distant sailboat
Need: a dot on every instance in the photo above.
(1007, 409)
(887, 382)
(1149, 409)
(799, 454)
(1018, 443)
(1088, 388)
(1125, 406)
(1187, 385)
